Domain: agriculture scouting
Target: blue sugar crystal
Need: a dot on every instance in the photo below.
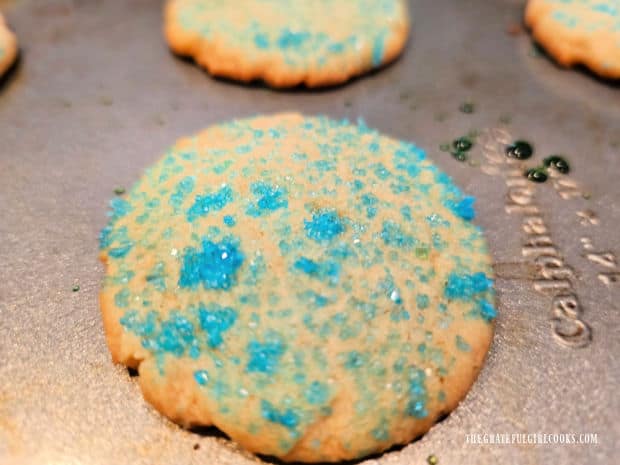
(317, 393)
(265, 356)
(201, 377)
(328, 271)
(464, 208)
(465, 286)
(287, 418)
(216, 320)
(205, 204)
(325, 225)
(393, 235)
(268, 199)
(215, 266)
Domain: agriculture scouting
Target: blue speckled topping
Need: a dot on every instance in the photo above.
(303, 35)
(285, 262)
(586, 31)
(603, 14)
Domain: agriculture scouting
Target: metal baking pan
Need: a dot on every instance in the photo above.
(97, 97)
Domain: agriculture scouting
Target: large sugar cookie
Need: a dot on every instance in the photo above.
(8, 47)
(286, 43)
(312, 288)
(575, 32)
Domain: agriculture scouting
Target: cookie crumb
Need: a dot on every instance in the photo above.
(196, 446)
(514, 29)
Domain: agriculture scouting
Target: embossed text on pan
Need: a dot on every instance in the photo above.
(554, 276)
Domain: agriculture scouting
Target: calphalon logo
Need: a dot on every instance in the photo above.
(554, 277)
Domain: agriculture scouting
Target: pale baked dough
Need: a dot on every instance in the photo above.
(8, 46)
(286, 43)
(579, 32)
(314, 289)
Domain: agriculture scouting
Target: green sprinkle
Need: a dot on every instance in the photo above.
(536, 174)
(462, 144)
(520, 149)
(119, 190)
(75, 288)
(444, 147)
(460, 156)
(422, 252)
(557, 162)
(432, 459)
(467, 108)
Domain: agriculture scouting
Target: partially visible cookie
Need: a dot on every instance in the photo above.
(286, 43)
(576, 32)
(314, 289)
(8, 47)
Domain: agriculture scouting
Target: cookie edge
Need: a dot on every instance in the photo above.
(12, 48)
(230, 65)
(567, 50)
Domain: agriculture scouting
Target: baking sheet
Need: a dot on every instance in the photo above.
(98, 97)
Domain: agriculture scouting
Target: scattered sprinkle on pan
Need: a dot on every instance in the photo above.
(536, 174)
(467, 108)
(557, 162)
(520, 149)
